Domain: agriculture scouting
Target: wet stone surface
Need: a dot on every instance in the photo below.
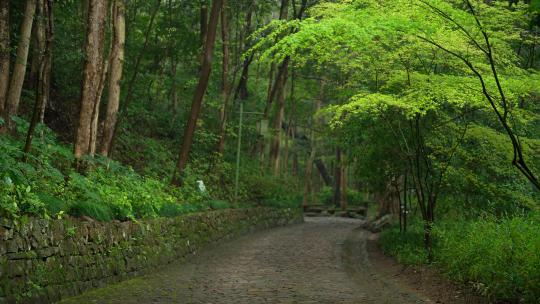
(323, 260)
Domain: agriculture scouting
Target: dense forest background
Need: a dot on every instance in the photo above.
(429, 110)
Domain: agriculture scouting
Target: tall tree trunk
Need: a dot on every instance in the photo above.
(204, 28)
(44, 84)
(44, 44)
(225, 86)
(92, 75)
(272, 85)
(173, 94)
(19, 69)
(196, 104)
(308, 175)
(277, 88)
(94, 128)
(295, 164)
(278, 120)
(405, 196)
(290, 129)
(34, 54)
(242, 91)
(309, 163)
(282, 71)
(4, 55)
(323, 172)
(337, 179)
(270, 92)
(279, 84)
(343, 185)
(132, 80)
(116, 69)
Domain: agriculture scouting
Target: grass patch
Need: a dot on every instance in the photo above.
(500, 258)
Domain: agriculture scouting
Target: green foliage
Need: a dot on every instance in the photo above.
(94, 210)
(498, 257)
(218, 204)
(501, 256)
(482, 178)
(408, 248)
(273, 191)
(394, 73)
(47, 186)
(326, 197)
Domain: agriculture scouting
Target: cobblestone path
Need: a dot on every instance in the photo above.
(323, 260)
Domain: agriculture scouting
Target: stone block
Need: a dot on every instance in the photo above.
(16, 268)
(47, 252)
(22, 255)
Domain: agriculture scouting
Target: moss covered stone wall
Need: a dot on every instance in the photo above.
(42, 261)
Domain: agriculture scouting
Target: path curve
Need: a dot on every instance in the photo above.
(323, 260)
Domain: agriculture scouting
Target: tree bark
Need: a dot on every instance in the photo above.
(116, 70)
(343, 198)
(405, 196)
(309, 163)
(323, 172)
(44, 88)
(225, 86)
(337, 179)
(278, 120)
(288, 129)
(131, 84)
(282, 71)
(94, 128)
(19, 69)
(171, 52)
(92, 75)
(44, 45)
(4, 55)
(34, 53)
(200, 91)
(242, 91)
(204, 28)
(279, 84)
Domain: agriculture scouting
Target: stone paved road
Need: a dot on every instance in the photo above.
(323, 260)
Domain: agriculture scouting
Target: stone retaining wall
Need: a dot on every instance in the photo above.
(42, 261)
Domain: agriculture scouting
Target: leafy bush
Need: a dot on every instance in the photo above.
(273, 191)
(407, 248)
(218, 204)
(47, 185)
(94, 210)
(172, 210)
(326, 197)
(499, 257)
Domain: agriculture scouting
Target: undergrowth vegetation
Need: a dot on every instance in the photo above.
(47, 185)
(497, 257)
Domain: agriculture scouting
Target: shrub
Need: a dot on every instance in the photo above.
(272, 191)
(499, 257)
(326, 197)
(407, 248)
(171, 210)
(47, 185)
(94, 210)
(218, 204)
